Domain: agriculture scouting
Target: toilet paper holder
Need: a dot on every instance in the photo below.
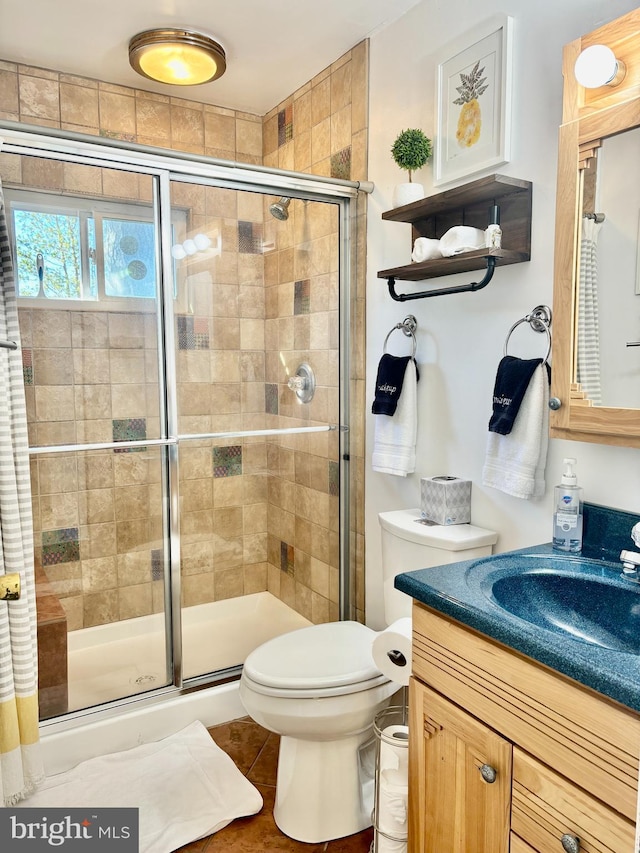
(392, 740)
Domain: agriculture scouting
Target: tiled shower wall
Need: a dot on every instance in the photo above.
(275, 511)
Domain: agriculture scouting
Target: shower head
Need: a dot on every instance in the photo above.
(280, 208)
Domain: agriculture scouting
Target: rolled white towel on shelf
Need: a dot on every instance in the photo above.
(425, 249)
(461, 238)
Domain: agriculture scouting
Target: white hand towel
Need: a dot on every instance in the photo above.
(425, 249)
(394, 444)
(515, 463)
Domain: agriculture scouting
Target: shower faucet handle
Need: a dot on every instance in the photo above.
(303, 383)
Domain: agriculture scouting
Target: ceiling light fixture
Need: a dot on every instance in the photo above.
(597, 66)
(179, 57)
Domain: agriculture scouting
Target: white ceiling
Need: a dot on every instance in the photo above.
(273, 46)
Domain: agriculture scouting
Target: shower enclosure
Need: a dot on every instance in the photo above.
(185, 341)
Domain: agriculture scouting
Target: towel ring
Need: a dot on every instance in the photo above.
(540, 321)
(408, 326)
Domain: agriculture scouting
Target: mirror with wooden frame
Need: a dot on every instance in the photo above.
(595, 384)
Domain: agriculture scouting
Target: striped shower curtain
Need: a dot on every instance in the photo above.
(588, 367)
(20, 758)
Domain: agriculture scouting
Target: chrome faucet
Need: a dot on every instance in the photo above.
(631, 559)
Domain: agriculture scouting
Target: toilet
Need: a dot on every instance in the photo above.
(320, 690)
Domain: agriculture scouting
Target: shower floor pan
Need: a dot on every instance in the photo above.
(121, 659)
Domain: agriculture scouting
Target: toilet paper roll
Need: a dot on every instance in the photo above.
(394, 742)
(391, 650)
(388, 845)
(392, 803)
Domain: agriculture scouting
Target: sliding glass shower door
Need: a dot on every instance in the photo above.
(257, 297)
(182, 343)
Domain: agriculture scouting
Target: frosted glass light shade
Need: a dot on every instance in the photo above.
(177, 56)
(597, 66)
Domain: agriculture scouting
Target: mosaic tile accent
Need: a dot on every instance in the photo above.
(341, 164)
(60, 546)
(129, 429)
(157, 564)
(334, 478)
(287, 558)
(27, 366)
(193, 332)
(301, 294)
(271, 399)
(249, 238)
(285, 125)
(227, 461)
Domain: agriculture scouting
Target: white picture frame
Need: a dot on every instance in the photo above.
(473, 102)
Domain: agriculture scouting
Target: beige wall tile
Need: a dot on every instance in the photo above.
(341, 129)
(134, 601)
(197, 589)
(98, 540)
(320, 141)
(219, 130)
(117, 110)
(91, 366)
(54, 403)
(187, 126)
(38, 172)
(153, 118)
(228, 583)
(53, 366)
(133, 568)
(249, 137)
(39, 97)
(9, 101)
(99, 574)
(79, 105)
(100, 608)
(196, 558)
(321, 100)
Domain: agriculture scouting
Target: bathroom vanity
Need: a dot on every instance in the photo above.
(522, 738)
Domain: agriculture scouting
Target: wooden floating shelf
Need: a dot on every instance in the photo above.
(467, 205)
(466, 262)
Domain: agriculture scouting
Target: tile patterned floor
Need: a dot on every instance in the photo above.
(255, 752)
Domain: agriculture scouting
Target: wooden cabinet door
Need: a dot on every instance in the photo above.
(451, 806)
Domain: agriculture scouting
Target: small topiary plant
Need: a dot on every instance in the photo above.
(411, 150)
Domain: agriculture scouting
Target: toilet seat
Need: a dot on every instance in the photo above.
(330, 659)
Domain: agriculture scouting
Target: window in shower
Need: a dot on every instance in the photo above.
(83, 249)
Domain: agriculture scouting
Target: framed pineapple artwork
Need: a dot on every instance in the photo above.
(473, 102)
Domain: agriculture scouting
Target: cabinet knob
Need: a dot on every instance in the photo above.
(555, 403)
(488, 773)
(570, 843)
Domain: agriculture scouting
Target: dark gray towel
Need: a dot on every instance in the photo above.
(512, 380)
(391, 370)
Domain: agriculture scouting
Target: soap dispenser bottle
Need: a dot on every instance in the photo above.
(567, 515)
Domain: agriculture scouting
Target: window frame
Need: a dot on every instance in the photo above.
(96, 208)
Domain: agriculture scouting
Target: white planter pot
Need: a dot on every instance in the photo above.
(406, 193)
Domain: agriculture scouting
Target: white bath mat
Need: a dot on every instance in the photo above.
(185, 787)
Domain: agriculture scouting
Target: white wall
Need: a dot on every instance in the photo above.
(461, 337)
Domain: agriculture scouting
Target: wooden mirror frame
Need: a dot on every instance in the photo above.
(588, 116)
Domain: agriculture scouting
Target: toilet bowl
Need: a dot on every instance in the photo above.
(319, 689)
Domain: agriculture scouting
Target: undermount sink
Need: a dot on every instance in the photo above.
(580, 599)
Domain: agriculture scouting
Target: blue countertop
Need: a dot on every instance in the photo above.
(457, 590)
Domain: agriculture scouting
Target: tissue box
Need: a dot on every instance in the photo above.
(445, 500)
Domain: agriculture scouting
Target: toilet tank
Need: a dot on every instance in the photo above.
(409, 544)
